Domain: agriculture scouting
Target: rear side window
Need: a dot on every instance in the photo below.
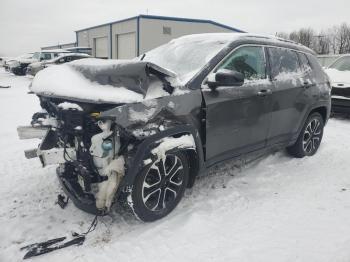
(248, 60)
(47, 56)
(283, 61)
(304, 63)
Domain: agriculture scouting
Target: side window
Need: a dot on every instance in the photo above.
(283, 61)
(61, 60)
(46, 56)
(304, 63)
(248, 60)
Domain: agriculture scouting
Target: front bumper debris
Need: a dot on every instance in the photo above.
(29, 132)
(72, 188)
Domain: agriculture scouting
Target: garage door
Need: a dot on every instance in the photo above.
(101, 47)
(126, 46)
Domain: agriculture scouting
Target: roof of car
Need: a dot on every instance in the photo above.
(248, 37)
(68, 54)
(54, 51)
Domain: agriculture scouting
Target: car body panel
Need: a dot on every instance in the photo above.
(227, 122)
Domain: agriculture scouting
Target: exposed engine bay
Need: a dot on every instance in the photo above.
(86, 147)
(100, 132)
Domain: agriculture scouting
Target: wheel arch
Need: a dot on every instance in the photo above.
(135, 162)
(322, 110)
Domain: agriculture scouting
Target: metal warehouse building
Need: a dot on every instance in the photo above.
(133, 36)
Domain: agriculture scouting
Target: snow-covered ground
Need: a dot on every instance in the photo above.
(275, 209)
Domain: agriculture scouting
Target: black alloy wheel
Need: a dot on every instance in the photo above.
(160, 187)
(310, 137)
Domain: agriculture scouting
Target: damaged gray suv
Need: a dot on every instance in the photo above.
(140, 131)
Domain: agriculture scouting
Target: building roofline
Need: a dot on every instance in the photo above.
(169, 18)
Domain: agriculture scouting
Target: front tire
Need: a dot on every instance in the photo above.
(310, 137)
(160, 186)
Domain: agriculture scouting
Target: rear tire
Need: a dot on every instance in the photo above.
(160, 186)
(309, 138)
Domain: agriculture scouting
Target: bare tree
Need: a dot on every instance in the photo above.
(282, 35)
(334, 40)
(321, 43)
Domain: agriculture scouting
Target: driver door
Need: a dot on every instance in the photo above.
(238, 117)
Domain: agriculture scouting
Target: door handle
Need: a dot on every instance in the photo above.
(264, 92)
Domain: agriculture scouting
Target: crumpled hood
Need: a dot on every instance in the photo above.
(98, 80)
(133, 75)
(338, 77)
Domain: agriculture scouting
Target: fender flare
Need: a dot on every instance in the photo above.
(308, 112)
(135, 162)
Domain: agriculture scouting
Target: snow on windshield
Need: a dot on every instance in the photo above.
(187, 55)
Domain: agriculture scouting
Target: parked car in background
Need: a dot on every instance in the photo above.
(3, 59)
(327, 60)
(339, 74)
(14, 62)
(80, 49)
(19, 66)
(34, 68)
(142, 130)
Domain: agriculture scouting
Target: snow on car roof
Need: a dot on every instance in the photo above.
(54, 51)
(68, 54)
(230, 37)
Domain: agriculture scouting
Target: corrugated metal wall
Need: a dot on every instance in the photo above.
(122, 41)
(155, 32)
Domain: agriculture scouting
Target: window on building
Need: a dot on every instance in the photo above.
(166, 30)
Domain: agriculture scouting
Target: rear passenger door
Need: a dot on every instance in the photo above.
(289, 102)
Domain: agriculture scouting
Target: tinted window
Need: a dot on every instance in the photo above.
(283, 61)
(248, 60)
(342, 64)
(304, 63)
(46, 56)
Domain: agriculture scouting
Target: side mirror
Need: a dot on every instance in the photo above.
(224, 77)
(41, 58)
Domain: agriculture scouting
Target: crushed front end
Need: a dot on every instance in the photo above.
(86, 148)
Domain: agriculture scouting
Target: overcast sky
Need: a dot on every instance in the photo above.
(26, 25)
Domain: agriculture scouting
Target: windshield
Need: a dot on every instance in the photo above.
(186, 56)
(342, 64)
(36, 55)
